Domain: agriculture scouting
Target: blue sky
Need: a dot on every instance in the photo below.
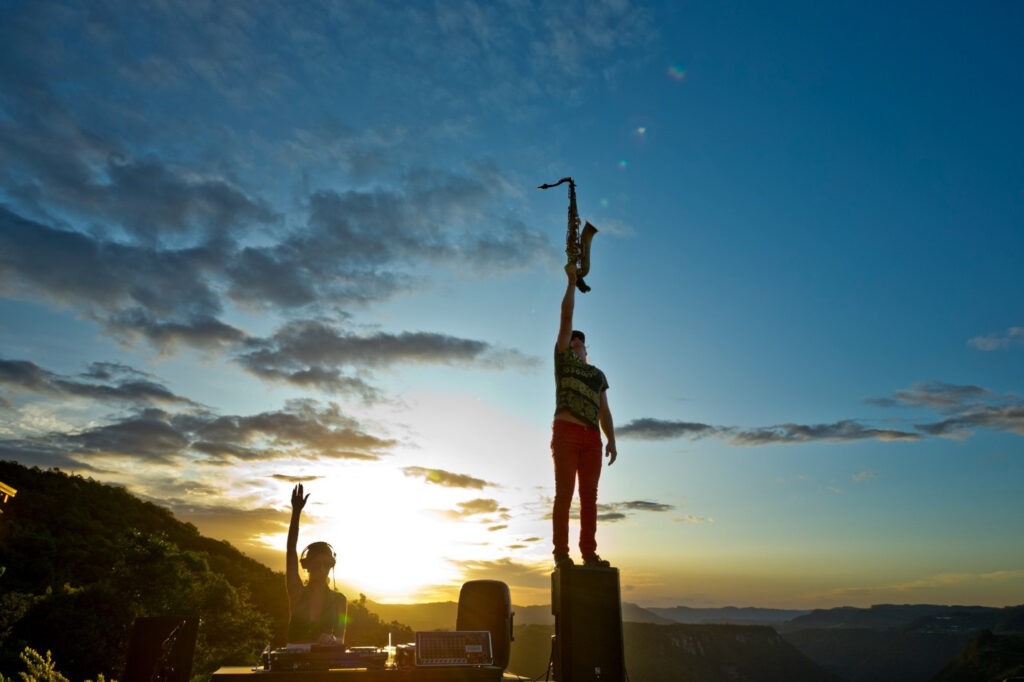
(244, 245)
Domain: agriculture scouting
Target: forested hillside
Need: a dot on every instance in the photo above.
(84, 559)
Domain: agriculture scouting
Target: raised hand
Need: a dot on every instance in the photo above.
(298, 500)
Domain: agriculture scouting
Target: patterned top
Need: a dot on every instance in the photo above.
(578, 387)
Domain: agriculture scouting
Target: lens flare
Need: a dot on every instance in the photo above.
(641, 131)
(676, 72)
(623, 163)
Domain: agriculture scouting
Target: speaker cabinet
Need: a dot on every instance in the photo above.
(487, 605)
(588, 624)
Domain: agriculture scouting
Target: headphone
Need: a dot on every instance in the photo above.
(317, 547)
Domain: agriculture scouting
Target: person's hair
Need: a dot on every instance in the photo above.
(577, 334)
(317, 548)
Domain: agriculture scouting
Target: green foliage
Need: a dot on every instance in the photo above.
(39, 669)
(86, 559)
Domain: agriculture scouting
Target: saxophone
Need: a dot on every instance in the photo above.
(577, 245)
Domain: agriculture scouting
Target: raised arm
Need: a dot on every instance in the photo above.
(568, 304)
(291, 562)
(608, 426)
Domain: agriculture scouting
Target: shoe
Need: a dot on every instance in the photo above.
(563, 560)
(596, 561)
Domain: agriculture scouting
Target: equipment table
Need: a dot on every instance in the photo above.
(420, 674)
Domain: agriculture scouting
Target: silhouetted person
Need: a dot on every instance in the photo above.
(581, 407)
(318, 613)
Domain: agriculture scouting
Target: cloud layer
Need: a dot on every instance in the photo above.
(302, 430)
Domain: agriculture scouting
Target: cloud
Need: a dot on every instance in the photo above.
(841, 431)
(936, 395)
(1009, 418)
(929, 582)
(41, 452)
(295, 479)
(1014, 336)
(845, 430)
(302, 430)
(647, 428)
(75, 269)
(313, 353)
(611, 511)
(475, 507)
(514, 573)
(132, 387)
(863, 476)
(446, 478)
(636, 505)
(199, 331)
(239, 526)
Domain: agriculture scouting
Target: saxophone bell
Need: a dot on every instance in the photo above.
(584, 256)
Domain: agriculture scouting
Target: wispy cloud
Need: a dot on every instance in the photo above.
(516, 574)
(863, 476)
(841, 431)
(936, 395)
(647, 428)
(302, 430)
(295, 479)
(310, 352)
(906, 589)
(1008, 418)
(480, 505)
(1011, 338)
(446, 478)
(122, 383)
(613, 511)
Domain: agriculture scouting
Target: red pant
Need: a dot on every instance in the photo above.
(576, 450)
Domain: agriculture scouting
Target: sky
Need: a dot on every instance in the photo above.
(245, 245)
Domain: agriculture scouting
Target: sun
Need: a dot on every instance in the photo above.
(393, 539)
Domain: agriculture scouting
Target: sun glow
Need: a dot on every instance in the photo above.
(396, 536)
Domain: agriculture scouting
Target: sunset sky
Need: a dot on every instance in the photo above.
(249, 244)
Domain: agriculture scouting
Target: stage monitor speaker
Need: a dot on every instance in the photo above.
(487, 605)
(588, 624)
(161, 649)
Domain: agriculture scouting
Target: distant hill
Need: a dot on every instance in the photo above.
(686, 653)
(919, 616)
(83, 559)
(728, 615)
(988, 657)
(893, 643)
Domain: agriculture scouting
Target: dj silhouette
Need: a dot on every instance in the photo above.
(318, 613)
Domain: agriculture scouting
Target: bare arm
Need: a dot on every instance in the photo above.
(608, 426)
(291, 561)
(568, 304)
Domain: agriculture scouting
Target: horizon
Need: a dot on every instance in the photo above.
(244, 246)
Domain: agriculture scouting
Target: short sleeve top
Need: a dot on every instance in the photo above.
(578, 387)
